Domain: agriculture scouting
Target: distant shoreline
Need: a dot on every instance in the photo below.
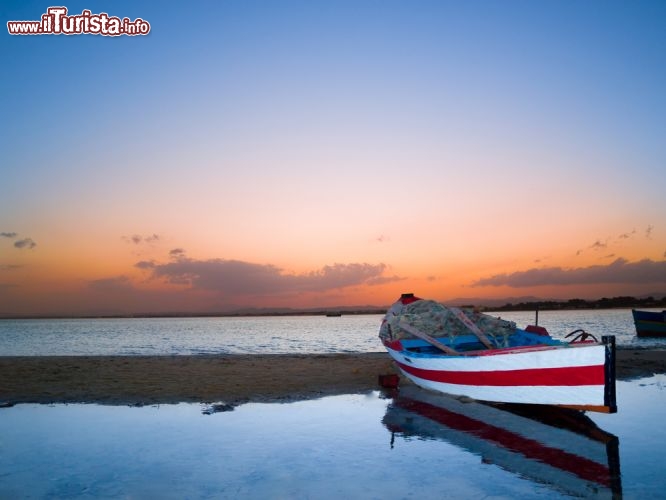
(541, 305)
(332, 313)
(232, 379)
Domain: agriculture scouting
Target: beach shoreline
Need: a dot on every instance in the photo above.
(230, 378)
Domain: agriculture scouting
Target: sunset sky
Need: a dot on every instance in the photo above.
(322, 153)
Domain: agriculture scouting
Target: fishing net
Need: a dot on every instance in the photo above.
(438, 320)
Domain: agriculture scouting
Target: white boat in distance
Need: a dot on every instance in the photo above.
(467, 353)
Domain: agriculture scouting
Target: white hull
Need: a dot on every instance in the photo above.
(574, 376)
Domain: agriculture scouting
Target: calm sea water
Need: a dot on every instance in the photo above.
(249, 335)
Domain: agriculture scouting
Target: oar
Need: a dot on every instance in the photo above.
(424, 336)
(475, 329)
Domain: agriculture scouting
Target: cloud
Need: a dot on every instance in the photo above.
(116, 284)
(602, 245)
(231, 277)
(27, 243)
(10, 267)
(177, 254)
(137, 239)
(626, 236)
(598, 245)
(382, 280)
(619, 271)
(145, 264)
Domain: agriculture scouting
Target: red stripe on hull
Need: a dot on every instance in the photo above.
(566, 376)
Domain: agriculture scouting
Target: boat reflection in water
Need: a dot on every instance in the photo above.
(559, 447)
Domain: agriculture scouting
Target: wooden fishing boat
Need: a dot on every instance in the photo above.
(649, 323)
(558, 447)
(467, 353)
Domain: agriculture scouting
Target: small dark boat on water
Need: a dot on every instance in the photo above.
(649, 323)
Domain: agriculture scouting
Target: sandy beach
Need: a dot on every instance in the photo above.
(232, 379)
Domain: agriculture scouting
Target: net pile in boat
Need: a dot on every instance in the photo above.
(438, 320)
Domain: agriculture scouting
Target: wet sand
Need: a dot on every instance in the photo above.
(232, 379)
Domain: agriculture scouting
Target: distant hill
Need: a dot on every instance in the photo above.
(656, 300)
(489, 303)
(525, 303)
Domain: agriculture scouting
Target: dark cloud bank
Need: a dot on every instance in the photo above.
(618, 272)
(237, 277)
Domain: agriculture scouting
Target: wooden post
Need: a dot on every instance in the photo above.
(609, 373)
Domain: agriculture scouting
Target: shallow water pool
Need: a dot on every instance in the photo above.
(353, 446)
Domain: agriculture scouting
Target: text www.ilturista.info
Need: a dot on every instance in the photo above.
(56, 22)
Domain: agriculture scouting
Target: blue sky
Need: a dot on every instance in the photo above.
(442, 143)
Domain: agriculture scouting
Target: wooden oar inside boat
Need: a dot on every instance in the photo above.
(424, 336)
(469, 324)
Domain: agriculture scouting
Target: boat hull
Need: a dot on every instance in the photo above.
(649, 324)
(579, 375)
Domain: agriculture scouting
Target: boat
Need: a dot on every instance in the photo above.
(649, 323)
(558, 447)
(464, 352)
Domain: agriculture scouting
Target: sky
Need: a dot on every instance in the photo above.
(322, 153)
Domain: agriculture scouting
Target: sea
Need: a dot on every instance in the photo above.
(378, 445)
(351, 333)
